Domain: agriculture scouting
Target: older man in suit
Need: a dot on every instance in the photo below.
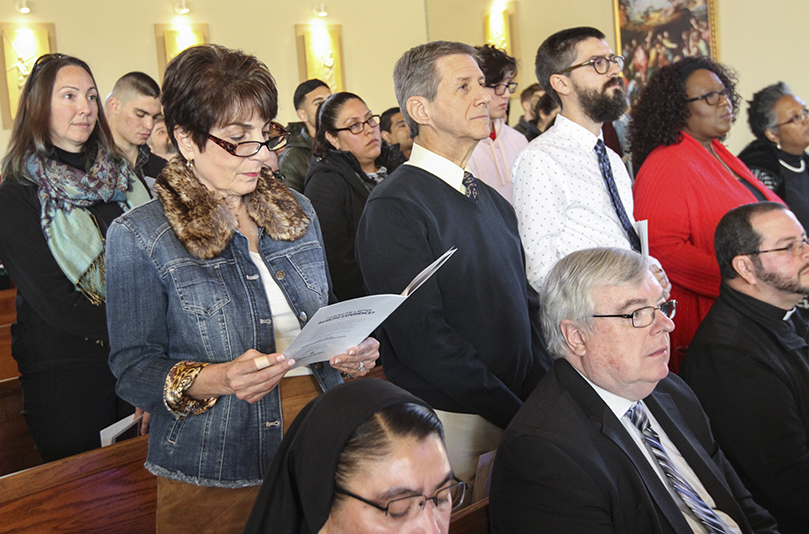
(610, 441)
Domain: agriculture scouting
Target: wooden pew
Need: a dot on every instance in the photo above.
(17, 450)
(473, 519)
(104, 490)
(100, 491)
(8, 314)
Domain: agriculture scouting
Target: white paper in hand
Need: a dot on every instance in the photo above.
(335, 329)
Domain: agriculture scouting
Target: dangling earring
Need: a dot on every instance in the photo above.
(778, 145)
(189, 164)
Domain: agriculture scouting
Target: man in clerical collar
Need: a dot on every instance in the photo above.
(468, 341)
(749, 361)
(610, 441)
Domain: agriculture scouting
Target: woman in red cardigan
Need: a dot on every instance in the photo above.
(688, 180)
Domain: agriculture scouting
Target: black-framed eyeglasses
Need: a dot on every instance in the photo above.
(246, 149)
(801, 117)
(713, 97)
(793, 249)
(643, 317)
(359, 127)
(601, 64)
(500, 88)
(403, 509)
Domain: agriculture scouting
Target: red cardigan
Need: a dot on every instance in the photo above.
(683, 191)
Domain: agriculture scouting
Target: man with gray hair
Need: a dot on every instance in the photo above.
(468, 341)
(610, 441)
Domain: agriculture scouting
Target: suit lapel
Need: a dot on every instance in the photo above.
(695, 454)
(612, 428)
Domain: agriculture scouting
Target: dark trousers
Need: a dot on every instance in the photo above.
(65, 409)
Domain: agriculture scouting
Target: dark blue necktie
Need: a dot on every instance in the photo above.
(688, 494)
(606, 172)
(471, 185)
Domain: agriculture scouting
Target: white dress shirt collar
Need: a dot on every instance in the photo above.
(617, 404)
(438, 165)
(578, 133)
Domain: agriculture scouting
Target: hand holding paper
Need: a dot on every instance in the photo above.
(335, 329)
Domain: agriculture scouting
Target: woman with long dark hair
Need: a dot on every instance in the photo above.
(64, 182)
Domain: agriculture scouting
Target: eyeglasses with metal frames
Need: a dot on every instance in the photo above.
(359, 127)
(643, 317)
(500, 88)
(793, 249)
(403, 509)
(801, 117)
(246, 149)
(713, 97)
(601, 64)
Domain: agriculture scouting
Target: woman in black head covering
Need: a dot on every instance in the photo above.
(364, 457)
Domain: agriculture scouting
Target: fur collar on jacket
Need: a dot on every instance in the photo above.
(204, 224)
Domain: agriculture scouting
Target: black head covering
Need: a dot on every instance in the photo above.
(297, 493)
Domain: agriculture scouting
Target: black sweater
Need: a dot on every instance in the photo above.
(56, 324)
(468, 340)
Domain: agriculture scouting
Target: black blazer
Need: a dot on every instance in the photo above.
(566, 464)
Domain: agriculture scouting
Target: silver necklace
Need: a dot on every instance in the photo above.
(793, 169)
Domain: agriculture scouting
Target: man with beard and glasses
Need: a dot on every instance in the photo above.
(570, 191)
(749, 360)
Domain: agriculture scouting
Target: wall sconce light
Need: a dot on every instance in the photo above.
(22, 7)
(320, 10)
(181, 8)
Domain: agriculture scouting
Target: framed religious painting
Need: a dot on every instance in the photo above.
(320, 54)
(22, 45)
(653, 33)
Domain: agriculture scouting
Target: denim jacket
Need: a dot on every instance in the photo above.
(166, 305)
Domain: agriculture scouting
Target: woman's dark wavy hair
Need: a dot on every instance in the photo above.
(31, 129)
(211, 85)
(327, 121)
(661, 112)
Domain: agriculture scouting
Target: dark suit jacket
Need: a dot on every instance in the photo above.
(566, 464)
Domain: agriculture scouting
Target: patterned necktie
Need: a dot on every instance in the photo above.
(471, 185)
(690, 497)
(606, 172)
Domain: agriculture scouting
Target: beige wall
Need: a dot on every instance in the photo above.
(117, 36)
(763, 40)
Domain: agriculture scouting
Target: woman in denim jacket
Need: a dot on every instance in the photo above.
(207, 285)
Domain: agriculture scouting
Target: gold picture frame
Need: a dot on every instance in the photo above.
(171, 39)
(320, 54)
(662, 32)
(22, 45)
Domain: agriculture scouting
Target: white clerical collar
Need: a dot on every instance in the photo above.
(789, 313)
(617, 404)
(438, 165)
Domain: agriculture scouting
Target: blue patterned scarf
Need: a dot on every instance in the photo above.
(71, 231)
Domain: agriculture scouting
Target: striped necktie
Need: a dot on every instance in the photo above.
(690, 497)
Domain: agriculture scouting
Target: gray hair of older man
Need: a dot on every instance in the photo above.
(415, 73)
(568, 291)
